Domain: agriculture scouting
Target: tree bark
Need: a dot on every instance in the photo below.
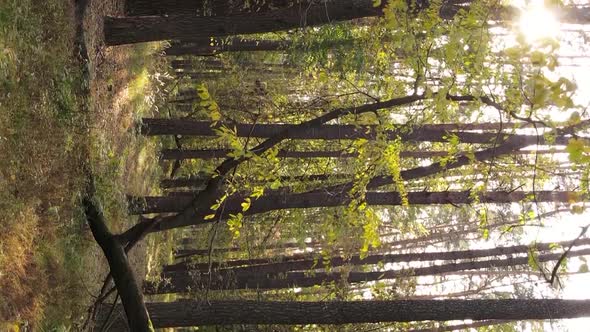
(123, 276)
(128, 30)
(204, 48)
(188, 127)
(183, 281)
(179, 154)
(463, 327)
(189, 313)
(303, 262)
(425, 133)
(212, 8)
(320, 198)
(201, 181)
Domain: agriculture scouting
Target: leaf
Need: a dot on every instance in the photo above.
(577, 209)
(209, 216)
(583, 268)
(276, 184)
(575, 149)
(246, 204)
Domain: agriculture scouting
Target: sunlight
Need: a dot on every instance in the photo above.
(536, 22)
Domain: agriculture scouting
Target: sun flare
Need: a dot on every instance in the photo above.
(536, 22)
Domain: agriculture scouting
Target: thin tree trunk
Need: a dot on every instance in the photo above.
(463, 327)
(303, 262)
(316, 199)
(183, 281)
(425, 133)
(187, 127)
(201, 181)
(179, 154)
(204, 48)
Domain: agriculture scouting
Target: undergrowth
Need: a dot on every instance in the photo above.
(48, 258)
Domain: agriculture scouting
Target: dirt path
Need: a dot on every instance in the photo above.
(112, 119)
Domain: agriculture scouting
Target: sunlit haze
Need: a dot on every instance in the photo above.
(537, 22)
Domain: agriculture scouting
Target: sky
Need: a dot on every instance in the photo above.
(538, 22)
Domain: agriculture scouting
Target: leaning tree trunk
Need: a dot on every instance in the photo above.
(183, 281)
(189, 313)
(137, 317)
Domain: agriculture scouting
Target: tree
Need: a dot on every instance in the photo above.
(127, 30)
(185, 281)
(214, 8)
(301, 262)
(194, 313)
(321, 198)
(186, 26)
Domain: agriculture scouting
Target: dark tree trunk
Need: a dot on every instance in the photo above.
(136, 313)
(320, 198)
(187, 26)
(194, 313)
(199, 182)
(200, 7)
(217, 46)
(163, 7)
(204, 48)
(177, 154)
(129, 30)
(425, 133)
(163, 126)
(182, 281)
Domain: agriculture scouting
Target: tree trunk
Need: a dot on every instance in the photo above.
(189, 313)
(462, 327)
(129, 30)
(179, 154)
(137, 317)
(425, 133)
(204, 48)
(183, 281)
(320, 198)
(200, 7)
(303, 262)
(199, 182)
(163, 126)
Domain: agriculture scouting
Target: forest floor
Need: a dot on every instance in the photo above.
(59, 111)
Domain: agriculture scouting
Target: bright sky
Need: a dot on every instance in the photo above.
(537, 22)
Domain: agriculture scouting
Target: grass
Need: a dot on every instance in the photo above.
(50, 266)
(39, 121)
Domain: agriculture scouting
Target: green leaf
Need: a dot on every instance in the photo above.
(246, 204)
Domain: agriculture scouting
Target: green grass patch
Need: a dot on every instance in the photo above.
(40, 120)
